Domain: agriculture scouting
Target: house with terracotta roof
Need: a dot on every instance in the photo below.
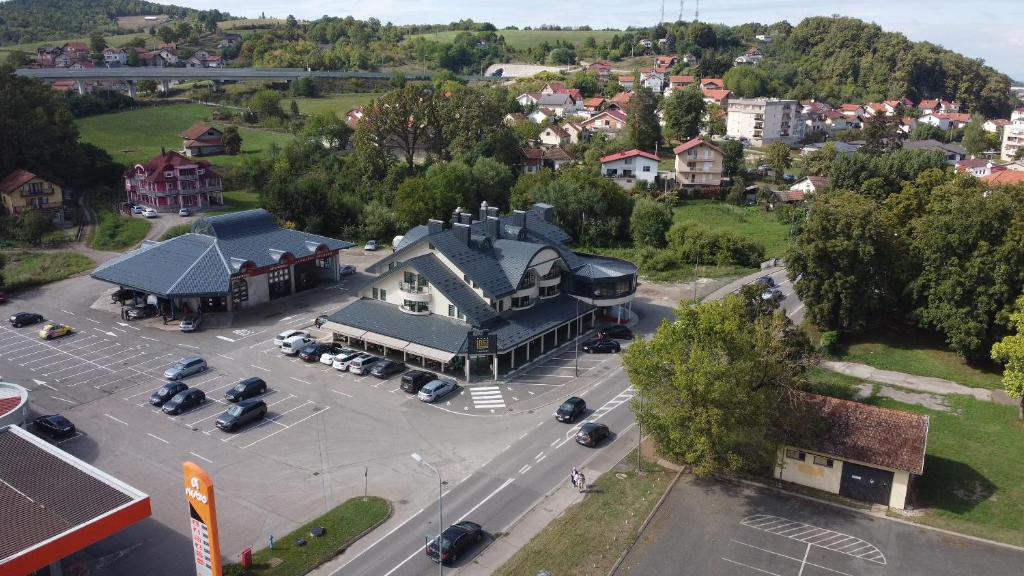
(626, 82)
(515, 118)
(811, 184)
(172, 181)
(680, 82)
(712, 83)
(851, 109)
(979, 168)
(610, 121)
(630, 167)
(936, 119)
(554, 135)
(202, 140)
(720, 97)
(593, 105)
(602, 69)
(533, 160)
(21, 191)
(862, 452)
(653, 80)
(622, 99)
(553, 88)
(996, 125)
(665, 61)
(698, 166)
(1004, 178)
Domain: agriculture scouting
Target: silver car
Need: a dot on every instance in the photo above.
(362, 364)
(435, 390)
(190, 324)
(328, 358)
(341, 361)
(185, 367)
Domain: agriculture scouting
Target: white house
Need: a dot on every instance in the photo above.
(653, 80)
(575, 132)
(540, 115)
(111, 55)
(995, 126)
(561, 104)
(554, 135)
(811, 184)
(631, 165)
(766, 38)
(626, 82)
(610, 121)
(940, 121)
(528, 99)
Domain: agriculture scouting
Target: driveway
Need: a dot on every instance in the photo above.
(712, 527)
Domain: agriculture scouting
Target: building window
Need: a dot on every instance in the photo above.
(822, 461)
(453, 311)
(380, 294)
(647, 168)
(416, 307)
(795, 454)
(520, 302)
(239, 290)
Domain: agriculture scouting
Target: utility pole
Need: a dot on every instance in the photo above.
(662, 12)
(682, 6)
(696, 14)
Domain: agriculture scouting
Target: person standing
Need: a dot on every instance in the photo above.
(582, 481)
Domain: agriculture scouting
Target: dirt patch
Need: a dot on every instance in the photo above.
(933, 401)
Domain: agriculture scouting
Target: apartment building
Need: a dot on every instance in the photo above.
(1013, 139)
(764, 120)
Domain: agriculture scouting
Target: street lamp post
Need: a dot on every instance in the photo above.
(440, 522)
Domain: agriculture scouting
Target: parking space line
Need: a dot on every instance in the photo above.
(190, 346)
(157, 437)
(298, 380)
(115, 419)
(326, 408)
(204, 459)
(66, 312)
(754, 568)
(227, 357)
(342, 393)
(803, 561)
(259, 367)
(63, 399)
(225, 338)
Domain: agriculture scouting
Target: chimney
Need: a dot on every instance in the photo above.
(455, 215)
(466, 218)
(493, 227)
(434, 226)
(461, 232)
(519, 218)
(484, 211)
(492, 211)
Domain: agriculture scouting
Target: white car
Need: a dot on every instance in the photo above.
(435, 390)
(347, 270)
(292, 345)
(328, 357)
(280, 338)
(362, 364)
(184, 212)
(149, 212)
(341, 361)
(136, 209)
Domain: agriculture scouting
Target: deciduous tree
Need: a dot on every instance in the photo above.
(642, 127)
(1010, 352)
(232, 140)
(684, 111)
(732, 161)
(778, 156)
(649, 223)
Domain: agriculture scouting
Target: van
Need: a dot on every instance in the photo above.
(362, 364)
(291, 346)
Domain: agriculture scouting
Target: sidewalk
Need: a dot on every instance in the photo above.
(551, 506)
(925, 384)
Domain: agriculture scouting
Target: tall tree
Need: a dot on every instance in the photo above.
(327, 128)
(684, 111)
(1010, 352)
(975, 139)
(266, 103)
(97, 43)
(881, 135)
(643, 131)
(397, 122)
(649, 223)
(778, 156)
(732, 161)
(232, 140)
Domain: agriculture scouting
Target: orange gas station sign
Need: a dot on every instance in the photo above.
(203, 516)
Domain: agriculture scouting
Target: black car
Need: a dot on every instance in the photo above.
(54, 425)
(387, 369)
(766, 281)
(311, 352)
(571, 409)
(616, 332)
(413, 380)
(601, 346)
(591, 434)
(246, 389)
(24, 319)
(184, 401)
(141, 312)
(456, 540)
(166, 392)
(241, 414)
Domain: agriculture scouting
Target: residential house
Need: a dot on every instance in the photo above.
(907, 124)
(541, 115)
(553, 88)
(515, 118)
(689, 59)
(893, 106)
(202, 140)
(938, 106)
(835, 121)
(752, 57)
(1013, 140)
(608, 122)
(63, 60)
(622, 99)
(629, 166)
(532, 160)
(626, 82)
(788, 196)
(712, 83)
(875, 109)
(172, 181)
(958, 119)
(936, 119)
(652, 80)
(665, 61)
(1017, 115)
(811, 185)
(561, 104)
(646, 43)
(230, 40)
(554, 135)
(602, 69)
(851, 109)
(996, 125)
(766, 38)
(153, 59)
(528, 99)
(952, 151)
(680, 82)
(763, 121)
(978, 168)
(1004, 178)
(111, 55)
(862, 452)
(575, 131)
(76, 49)
(698, 166)
(720, 97)
(593, 105)
(22, 190)
(82, 65)
(202, 59)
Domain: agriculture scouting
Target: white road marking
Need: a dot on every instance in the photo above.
(41, 383)
(228, 357)
(207, 460)
(148, 338)
(115, 419)
(524, 469)
(754, 568)
(793, 558)
(326, 408)
(260, 368)
(157, 437)
(191, 346)
(63, 399)
(225, 338)
(342, 393)
(298, 379)
(798, 531)
(66, 312)
(91, 320)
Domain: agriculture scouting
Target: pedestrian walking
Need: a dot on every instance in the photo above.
(582, 482)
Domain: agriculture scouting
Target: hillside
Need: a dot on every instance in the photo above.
(23, 21)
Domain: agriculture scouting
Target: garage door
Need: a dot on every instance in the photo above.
(864, 483)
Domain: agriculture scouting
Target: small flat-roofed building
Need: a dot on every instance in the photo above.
(862, 452)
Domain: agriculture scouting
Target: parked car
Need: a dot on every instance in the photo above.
(141, 312)
(571, 409)
(772, 293)
(248, 388)
(24, 319)
(54, 425)
(789, 179)
(435, 390)
(185, 367)
(333, 353)
(601, 346)
(616, 332)
(387, 368)
(184, 212)
(190, 324)
(362, 364)
(184, 401)
(54, 330)
(166, 392)
(592, 433)
(241, 414)
(455, 541)
(347, 270)
(311, 352)
(149, 212)
(342, 361)
(765, 281)
(280, 338)
(292, 345)
(136, 209)
(413, 380)
(371, 246)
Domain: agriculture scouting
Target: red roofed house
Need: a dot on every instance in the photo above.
(862, 452)
(664, 61)
(172, 181)
(995, 125)
(851, 109)
(712, 83)
(622, 99)
(601, 68)
(1004, 178)
(979, 168)
(678, 83)
(698, 166)
(202, 140)
(593, 105)
(720, 97)
(22, 190)
(626, 82)
(553, 88)
(554, 135)
(532, 160)
(611, 121)
(629, 166)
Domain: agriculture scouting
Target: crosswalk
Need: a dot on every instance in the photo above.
(487, 397)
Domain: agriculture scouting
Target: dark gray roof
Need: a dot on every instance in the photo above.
(254, 236)
(415, 234)
(514, 257)
(515, 328)
(480, 265)
(468, 302)
(602, 267)
(430, 330)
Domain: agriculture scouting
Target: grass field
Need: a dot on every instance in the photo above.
(116, 232)
(113, 40)
(27, 269)
(340, 103)
(582, 540)
(343, 525)
(919, 353)
(751, 222)
(520, 39)
(137, 135)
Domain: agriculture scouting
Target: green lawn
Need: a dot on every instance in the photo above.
(339, 103)
(175, 231)
(582, 540)
(136, 136)
(520, 39)
(919, 353)
(238, 200)
(751, 222)
(116, 232)
(343, 525)
(27, 269)
(113, 40)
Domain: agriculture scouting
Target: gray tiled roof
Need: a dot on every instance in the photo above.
(518, 327)
(429, 330)
(514, 257)
(481, 266)
(254, 236)
(441, 278)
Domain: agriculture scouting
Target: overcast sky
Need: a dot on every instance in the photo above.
(990, 29)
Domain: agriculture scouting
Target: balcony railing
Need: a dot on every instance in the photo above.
(414, 288)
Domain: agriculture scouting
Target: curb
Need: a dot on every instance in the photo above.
(643, 527)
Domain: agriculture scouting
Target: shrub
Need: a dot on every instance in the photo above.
(829, 341)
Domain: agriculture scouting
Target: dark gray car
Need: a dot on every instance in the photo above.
(241, 414)
(185, 367)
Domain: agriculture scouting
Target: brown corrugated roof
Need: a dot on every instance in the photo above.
(15, 180)
(193, 133)
(876, 436)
